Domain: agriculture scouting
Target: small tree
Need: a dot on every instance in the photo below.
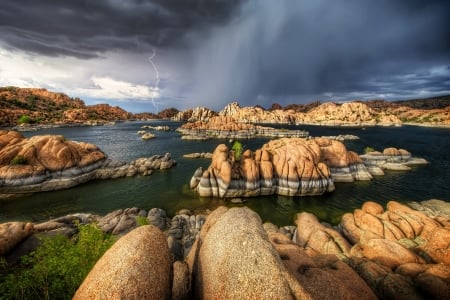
(368, 150)
(237, 148)
(24, 119)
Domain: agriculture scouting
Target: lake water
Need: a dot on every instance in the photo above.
(169, 190)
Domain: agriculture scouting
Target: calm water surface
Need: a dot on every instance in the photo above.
(169, 190)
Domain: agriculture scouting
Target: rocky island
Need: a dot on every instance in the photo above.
(229, 128)
(50, 162)
(373, 253)
(292, 167)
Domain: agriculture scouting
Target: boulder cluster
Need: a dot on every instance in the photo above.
(225, 127)
(287, 166)
(397, 253)
(50, 162)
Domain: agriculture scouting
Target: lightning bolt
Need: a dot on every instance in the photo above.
(155, 88)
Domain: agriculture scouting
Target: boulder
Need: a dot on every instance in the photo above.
(322, 276)
(12, 233)
(322, 239)
(137, 266)
(233, 259)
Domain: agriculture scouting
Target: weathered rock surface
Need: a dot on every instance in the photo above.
(322, 276)
(292, 167)
(227, 127)
(137, 266)
(392, 159)
(49, 162)
(233, 259)
(12, 233)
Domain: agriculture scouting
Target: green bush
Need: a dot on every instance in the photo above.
(19, 160)
(140, 220)
(57, 267)
(24, 119)
(237, 148)
(368, 150)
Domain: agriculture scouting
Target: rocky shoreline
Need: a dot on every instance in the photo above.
(49, 162)
(394, 253)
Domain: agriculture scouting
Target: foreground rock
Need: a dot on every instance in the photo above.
(234, 259)
(50, 162)
(397, 253)
(291, 167)
(137, 266)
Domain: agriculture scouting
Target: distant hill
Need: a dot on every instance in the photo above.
(40, 106)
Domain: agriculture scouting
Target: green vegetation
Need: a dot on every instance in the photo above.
(24, 119)
(19, 160)
(368, 150)
(238, 149)
(57, 267)
(140, 220)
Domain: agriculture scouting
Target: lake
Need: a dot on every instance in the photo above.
(168, 189)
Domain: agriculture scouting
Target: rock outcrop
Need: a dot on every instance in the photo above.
(137, 266)
(397, 253)
(194, 115)
(391, 159)
(50, 162)
(229, 128)
(235, 258)
(292, 167)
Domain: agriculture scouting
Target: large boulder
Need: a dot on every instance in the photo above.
(233, 259)
(137, 266)
(12, 233)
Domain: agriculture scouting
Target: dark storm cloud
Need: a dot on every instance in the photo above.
(255, 51)
(83, 28)
(276, 50)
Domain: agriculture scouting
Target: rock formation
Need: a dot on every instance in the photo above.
(390, 159)
(291, 167)
(229, 128)
(397, 253)
(50, 162)
(137, 266)
(194, 115)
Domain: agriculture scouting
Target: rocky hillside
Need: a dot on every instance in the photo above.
(39, 106)
(432, 111)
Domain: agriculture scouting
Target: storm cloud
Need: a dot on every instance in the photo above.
(212, 52)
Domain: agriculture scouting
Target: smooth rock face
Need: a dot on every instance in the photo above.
(137, 266)
(233, 259)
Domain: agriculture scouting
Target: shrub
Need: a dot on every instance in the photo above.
(140, 220)
(237, 148)
(56, 268)
(368, 150)
(19, 160)
(24, 119)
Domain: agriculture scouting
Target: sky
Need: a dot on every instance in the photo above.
(150, 55)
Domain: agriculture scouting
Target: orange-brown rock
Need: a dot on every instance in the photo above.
(12, 233)
(322, 276)
(137, 266)
(286, 166)
(397, 236)
(322, 239)
(22, 157)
